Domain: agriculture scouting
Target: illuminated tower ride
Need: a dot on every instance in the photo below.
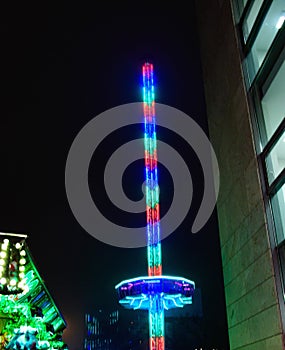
(154, 292)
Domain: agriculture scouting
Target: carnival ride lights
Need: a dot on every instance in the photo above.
(154, 292)
(26, 306)
(12, 264)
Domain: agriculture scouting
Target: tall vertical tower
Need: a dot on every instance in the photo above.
(154, 292)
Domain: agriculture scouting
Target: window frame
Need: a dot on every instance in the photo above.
(279, 181)
(273, 51)
(256, 26)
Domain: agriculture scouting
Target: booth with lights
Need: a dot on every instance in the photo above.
(29, 318)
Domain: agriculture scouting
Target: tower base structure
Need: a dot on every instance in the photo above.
(173, 291)
(155, 294)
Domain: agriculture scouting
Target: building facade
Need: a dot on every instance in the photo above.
(242, 45)
(101, 330)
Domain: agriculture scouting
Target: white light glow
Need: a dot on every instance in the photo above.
(280, 21)
(3, 280)
(13, 282)
(22, 261)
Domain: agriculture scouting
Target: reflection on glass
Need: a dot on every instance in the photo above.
(264, 38)
(275, 160)
(273, 102)
(278, 208)
(250, 18)
(280, 22)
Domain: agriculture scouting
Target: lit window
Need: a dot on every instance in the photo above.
(275, 160)
(278, 209)
(273, 103)
(264, 38)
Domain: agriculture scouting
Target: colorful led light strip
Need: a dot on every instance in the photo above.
(152, 189)
(156, 307)
(154, 292)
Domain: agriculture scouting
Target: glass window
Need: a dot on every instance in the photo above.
(278, 209)
(275, 160)
(250, 18)
(273, 103)
(265, 37)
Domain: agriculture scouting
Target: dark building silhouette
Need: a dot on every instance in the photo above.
(126, 329)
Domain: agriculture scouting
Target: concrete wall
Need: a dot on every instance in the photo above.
(252, 307)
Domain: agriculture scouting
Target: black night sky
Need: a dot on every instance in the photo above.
(61, 70)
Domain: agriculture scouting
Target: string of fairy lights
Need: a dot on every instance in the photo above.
(12, 267)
